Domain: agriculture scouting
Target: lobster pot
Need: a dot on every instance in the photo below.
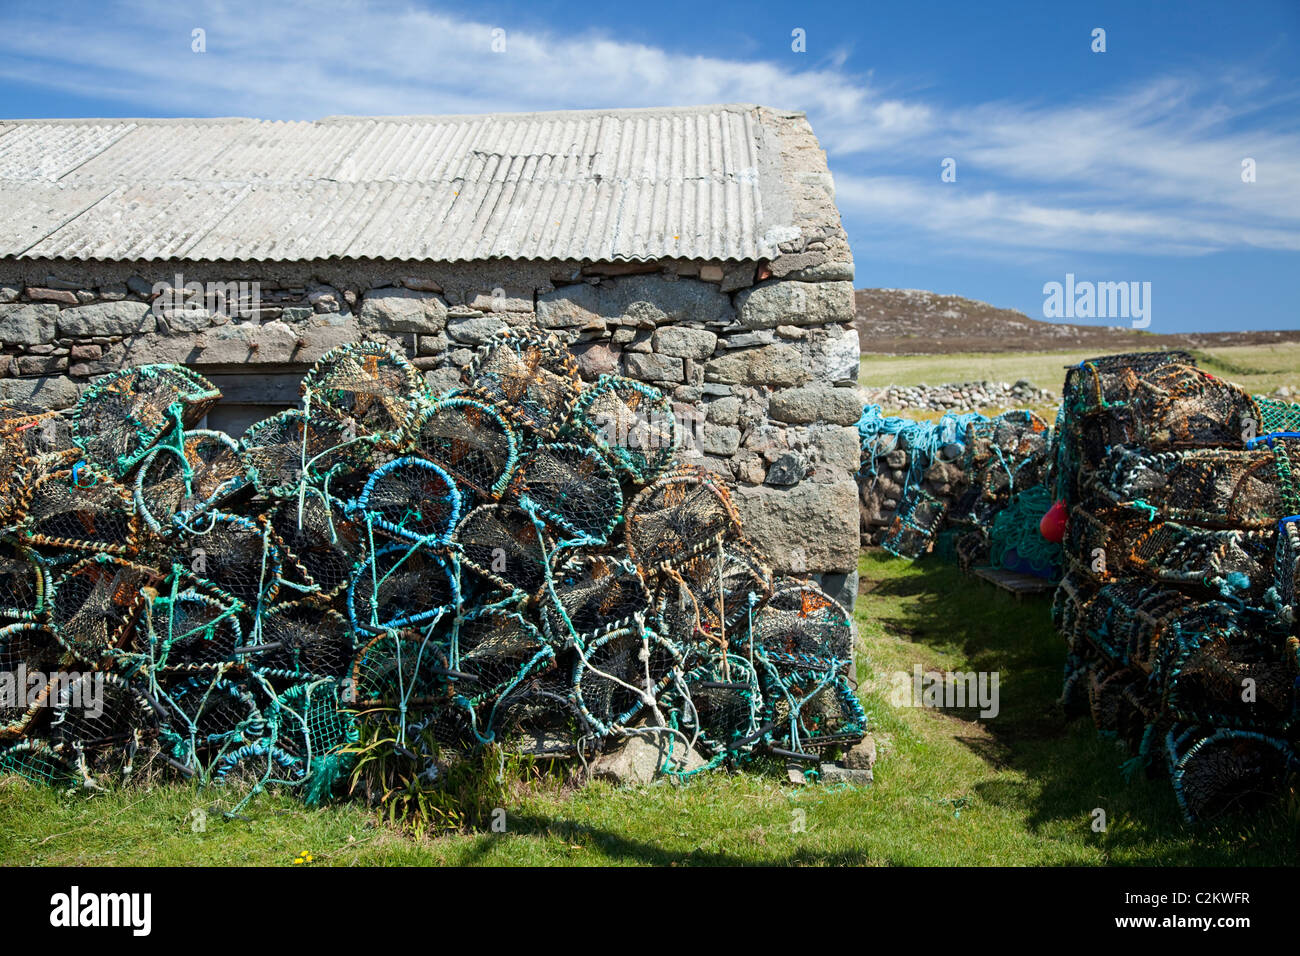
(589, 595)
(801, 619)
(368, 385)
(1218, 672)
(472, 442)
(496, 651)
(1225, 770)
(809, 703)
(632, 424)
(400, 667)
(79, 510)
(537, 715)
(684, 513)
(27, 650)
(36, 761)
(573, 489)
(411, 500)
(912, 532)
(618, 674)
(1233, 562)
(1215, 487)
(712, 596)
(105, 724)
(96, 603)
(1286, 572)
(289, 449)
(179, 481)
(402, 587)
(208, 717)
(189, 630)
(506, 547)
(318, 542)
(529, 376)
(1180, 406)
(303, 640)
(1120, 704)
(24, 584)
(718, 705)
(1096, 384)
(122, 415)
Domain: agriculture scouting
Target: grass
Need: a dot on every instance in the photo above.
(1257, 368)
(1018, 789)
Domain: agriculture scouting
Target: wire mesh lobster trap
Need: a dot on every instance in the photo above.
(122, 415)
(95, 605)
(234, 555)
(369, 385)
(303, 640)
(283, 452)
(471, 441)
(809, 704)
(529, 376)
(621, 676)
(399, 586)
(589, 594)
(80, 509)
(1181, 406)
(631, 423)
(683, 513)
(182, 478)
(24, 583)
(573, 489)
(105, 724)
(319, 542)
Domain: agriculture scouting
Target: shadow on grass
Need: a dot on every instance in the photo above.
(1071, 770)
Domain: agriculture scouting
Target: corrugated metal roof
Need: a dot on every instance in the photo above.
(693, 183)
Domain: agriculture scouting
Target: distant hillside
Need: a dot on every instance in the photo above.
(915, 322)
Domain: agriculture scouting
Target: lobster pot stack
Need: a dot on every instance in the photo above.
(1179, 600)
(523, 561)
(927, 485)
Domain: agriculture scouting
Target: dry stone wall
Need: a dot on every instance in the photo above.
(761, 361)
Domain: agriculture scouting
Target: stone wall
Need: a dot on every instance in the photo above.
(764, 358)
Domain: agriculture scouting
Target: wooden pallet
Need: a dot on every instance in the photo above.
(1015, 582)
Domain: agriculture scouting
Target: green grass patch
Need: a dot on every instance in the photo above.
(949, 790)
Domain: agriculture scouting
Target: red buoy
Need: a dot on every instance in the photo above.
(1052, 527)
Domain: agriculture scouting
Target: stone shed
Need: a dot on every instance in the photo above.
(698, 249)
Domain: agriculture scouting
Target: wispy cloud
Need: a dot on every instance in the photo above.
(1155, 169)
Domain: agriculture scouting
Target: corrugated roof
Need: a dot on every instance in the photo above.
(692, 183)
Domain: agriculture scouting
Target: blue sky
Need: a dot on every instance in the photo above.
(1117, 166)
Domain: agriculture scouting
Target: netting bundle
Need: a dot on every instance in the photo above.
(530, 376)
(631, 423)
(471, 441)
(368, 384)
(122, 415)
(572, 488)
(182, 478)
(412, 500)
(683, 513)
(77, 510)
